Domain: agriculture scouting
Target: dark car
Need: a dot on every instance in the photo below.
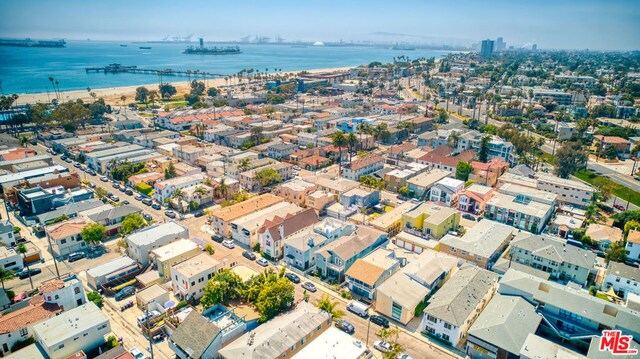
(468, 216)
(63, 157)
(25, 274)
(76, 256)
(292, 277)
(115, 185)
(125, 292)
(147, 216)
(309, 286)
(249, 255)
(381, 321)
(345, 326)
(198, 214)
(147, 201)
(125, 202)
(128, 192)
(156, 206)
(217, 238)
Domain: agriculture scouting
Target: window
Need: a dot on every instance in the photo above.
(304, 340)
(447, 326)
(445, 337)
(76, 290)
(293, 347)
(63, 241)
(319, 327)
(432, 319)
(102, 326)
(24, 332)
(57, 297)
(60, 346)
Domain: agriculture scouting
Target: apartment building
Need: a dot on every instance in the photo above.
(188, 153)
(273, 233)
(244, 230)
(481, 245)
(223, 217)
(295, 191)
(362, 167)
(521, 207)
(430, 219)
(249, 181)
(141, 243)
(447, 191)
(569, 191)
(423, 182)
(622, 278)
(190, 277)
(488, 173)
(280, 151)
(170, 254)
(165, 189)
(564, 262)
(474, 199)
(369, 272)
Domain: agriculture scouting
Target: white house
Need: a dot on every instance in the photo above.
(191, 276)
(10, 260)
(165, 189)
(67, 293)
(18, 325)
(82, 328)
(622, 278)
(141, 243)
(65, 237)
(447, 191)
(362, 167)
(633, 245)
(6, 234)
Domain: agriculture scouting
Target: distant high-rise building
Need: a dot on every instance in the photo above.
(534, 47)
(487, 47)
(500, 45)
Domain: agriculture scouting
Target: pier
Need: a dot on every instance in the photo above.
(118, 68)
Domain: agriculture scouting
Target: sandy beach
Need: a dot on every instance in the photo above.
(112, 95)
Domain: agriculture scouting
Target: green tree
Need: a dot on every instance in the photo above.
(197, 87)
(483, 155)
(632, 224)
(339, 140)
(222, 288)
(167, 91)
(244, 164)
(352, 142)
(96, 298)
(256, 134)
(179, 195)
(170, 172)
(326, 304)
(605, 187)
(142, 94)
(22, 249)
(6, 274)
(463, 169)
(405, 191)
(571, 157)
(94, 233)
(267, 177)
(274, 297)
(616, 253)
(131, 223)
(212, 91)
(222, 188)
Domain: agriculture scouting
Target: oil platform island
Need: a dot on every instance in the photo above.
(201, 50)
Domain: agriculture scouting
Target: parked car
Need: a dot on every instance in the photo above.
(309, 286)
(104, 179)
(68, 160)
(92, 172)
(618, 207)
(63, 157)
(76, 165)
(76, 256)
(198, 214)
(125, 292)
(292, 277)
(217, 238)
(228, 243)
(125, 202)
(115, 185)
(468, 216)
(138, 197)
(358, 308)
(147, 216)
(263, 262)
(249, 255)
(25, 273)
(92, 185)
(145, 317)
(115, 198)
(156, 206)
(128, 192)
(147, 201)
(136, 353)
(381, 321)
(169, 213)
(345, 326)
(382, 346)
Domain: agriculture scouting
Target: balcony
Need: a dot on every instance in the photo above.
(567, 328)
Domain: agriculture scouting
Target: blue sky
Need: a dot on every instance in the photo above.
(571, 24)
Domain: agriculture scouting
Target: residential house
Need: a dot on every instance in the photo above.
(603, 235)
(149, 178)
(397, 178)
(474, 199)
(170, 254)
(282, 336)
(319, 201)
(314, 163)
(488, 173)
(250, 181)
(563, 261)
(66, 292)
(569, 315)
(37, 200)
(196, 338)
(244, 230)
(622, 278)
(280, 151)
(563, 225)
(392, 222)
(360, 198)
(334, 185)
(188, 153)
(481, 245)
(337, 257)
(141, 243)
(521, 207)
(447, 191)
(422, 183)
(455, 307)
(191, 276)
(110, 216)
(633, 245)
(165, 189)
(18, 325)
(502, 328)
(370, 271)
(7, 236)
(80, 329)
(222, 217)
(362, 167)
(10, 259)
(421, 274)
(602, 144)
(443, 158)
(333, 343)
(295, 191)
(273, 233)
(431, 220)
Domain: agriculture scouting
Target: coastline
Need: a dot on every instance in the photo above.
(112, 95)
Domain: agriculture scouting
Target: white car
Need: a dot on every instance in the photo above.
(382, 346)
(228, 243)
(137, 354)
(263, 262)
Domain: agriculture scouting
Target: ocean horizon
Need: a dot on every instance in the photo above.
(27, 70)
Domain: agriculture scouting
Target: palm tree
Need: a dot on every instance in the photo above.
(244, 164)
(325, 304)
(339, 141)
(352, 142)
(453, 139)
(364, 212)
(22, 249)
(179, 195)
(123, 98)
(222, 188)
(6, 274)
(200, 192)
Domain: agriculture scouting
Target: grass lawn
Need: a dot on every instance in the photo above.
(619, 191)
(547, 157)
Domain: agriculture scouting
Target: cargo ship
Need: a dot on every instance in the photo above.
(145, 47)
(33, 43)
(201, 50)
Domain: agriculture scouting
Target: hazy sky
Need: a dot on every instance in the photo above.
(572, 24)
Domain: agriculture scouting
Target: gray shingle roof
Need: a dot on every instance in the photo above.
(459, 297)
(554, 249)
(194, 334)
(506, 322)
(114, 213)
(624, 271)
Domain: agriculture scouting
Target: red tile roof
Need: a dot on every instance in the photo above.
(36, 311)
(364, 162)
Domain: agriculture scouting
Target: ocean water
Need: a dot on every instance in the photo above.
(27, 70)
